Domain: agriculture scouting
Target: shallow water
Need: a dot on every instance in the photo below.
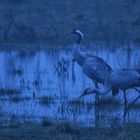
(37, 73)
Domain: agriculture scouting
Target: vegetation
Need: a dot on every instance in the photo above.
(103, 102)
(8, 91)
(46, 123)
(17, 99)
(49, 21)
(60, 131)
(46, 100)
(110, 101)
(77, 102)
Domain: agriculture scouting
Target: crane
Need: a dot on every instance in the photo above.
(93, 66)
(123, 79)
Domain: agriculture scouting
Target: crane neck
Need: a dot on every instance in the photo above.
(80, 37)
(76, 49)
(101, 92)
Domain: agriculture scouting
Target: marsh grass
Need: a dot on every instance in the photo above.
(46, 122)
(16, 71)
(9, 91)
(46, 100)
(136, 106)
(14, 121)
(76, 102)
(17, 99)
(106, 101)
(110, 101)
(67, 127)
(25, 53)
(66, 132)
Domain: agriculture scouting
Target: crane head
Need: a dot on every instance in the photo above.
(78, 32)
(86, 92)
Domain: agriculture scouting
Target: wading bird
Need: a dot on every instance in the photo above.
(123, 79)
(93, 66)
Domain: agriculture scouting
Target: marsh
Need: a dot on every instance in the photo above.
(33, 86)
(39, 83)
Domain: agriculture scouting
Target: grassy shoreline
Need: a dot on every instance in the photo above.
(61, 131)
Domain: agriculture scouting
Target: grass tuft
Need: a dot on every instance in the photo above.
(17, 99)
(76, 102)
(9, 91)
(46, 100)
(46, 122)
(109, 101)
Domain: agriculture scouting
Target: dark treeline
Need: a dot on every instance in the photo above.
(50, 20)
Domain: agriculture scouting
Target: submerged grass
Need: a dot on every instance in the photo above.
(136, 106)
(46, 122)
(76, 102)
(17, 99)
(16, 71)
(9, 91)
(106, 101)
(46, 100)
(110, 101)
(67, 128)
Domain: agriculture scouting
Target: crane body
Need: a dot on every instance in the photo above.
(123, 79)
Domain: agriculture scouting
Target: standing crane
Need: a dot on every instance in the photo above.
(93, 66)
(123, 79)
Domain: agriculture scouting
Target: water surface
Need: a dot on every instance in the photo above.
(36, 74)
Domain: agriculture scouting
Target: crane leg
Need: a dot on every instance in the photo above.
(96, 103)
(125, 106)
(96, 107)
(96, 95)
(73, 71)
(73, 61)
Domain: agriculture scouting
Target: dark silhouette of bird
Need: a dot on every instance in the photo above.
(123, 79)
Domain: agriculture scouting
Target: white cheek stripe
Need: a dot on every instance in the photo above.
(78, 31)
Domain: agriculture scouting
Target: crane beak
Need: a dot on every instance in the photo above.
(86, 92)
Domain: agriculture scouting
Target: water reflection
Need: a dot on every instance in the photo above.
(53, 74)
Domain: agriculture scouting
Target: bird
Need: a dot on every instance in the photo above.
(93, 66)
(123, 79)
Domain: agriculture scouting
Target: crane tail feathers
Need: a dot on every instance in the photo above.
(115, 91)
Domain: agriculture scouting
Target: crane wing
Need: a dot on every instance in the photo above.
(96, 68)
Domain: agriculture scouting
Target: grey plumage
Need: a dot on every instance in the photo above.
(94, 67)
(123, 79)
